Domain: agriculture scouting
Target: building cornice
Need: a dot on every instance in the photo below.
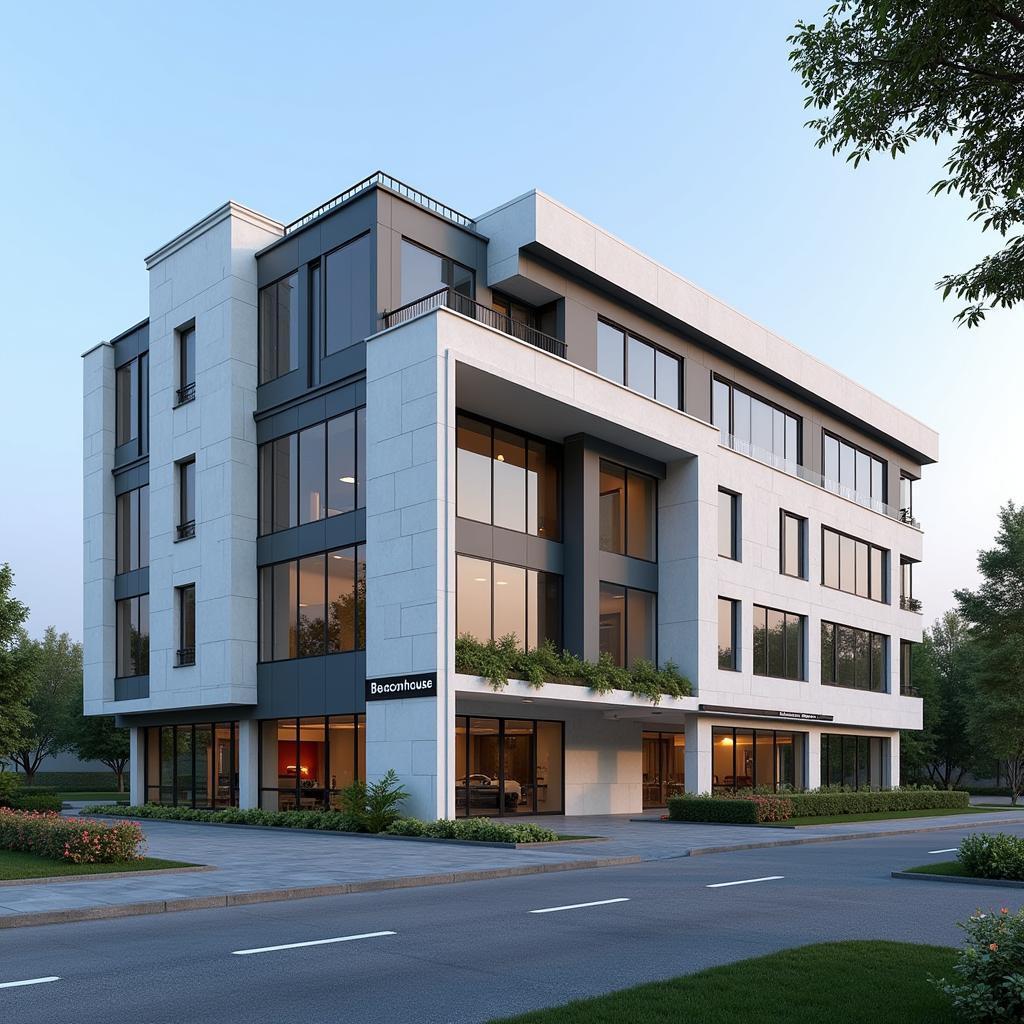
(211, 220)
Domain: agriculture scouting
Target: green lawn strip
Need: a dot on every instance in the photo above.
(852, 982)
(934, 812)
(27, 865)
(942, 867)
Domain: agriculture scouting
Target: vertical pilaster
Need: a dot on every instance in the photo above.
(248, 763)
(137, 759)
(813, 759)
(698, 755)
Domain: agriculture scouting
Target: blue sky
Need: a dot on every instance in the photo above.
(678, 128)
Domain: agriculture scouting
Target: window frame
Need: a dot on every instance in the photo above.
(801, 677)
(182, 656)
(857, 541)
(186, 390)
(680, 362)
(736, 545)
(802, 541)
(262, 380)
(731, 731)
(185, 529)
(627, 473)
(734, 612)
(405, 239)
(883, 500)
(158, 786)
(135, 614)
(733, 387)
(860, 633)
(626, 617)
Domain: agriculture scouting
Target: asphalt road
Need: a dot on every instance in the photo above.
(471, 952)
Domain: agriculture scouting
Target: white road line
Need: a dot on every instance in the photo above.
(745, 881)
(30, 981)
(578, 906)
(314, 942)
(952, 849)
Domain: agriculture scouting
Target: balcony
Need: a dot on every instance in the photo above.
(186, 393)
(186, 530)
(901, 515)
(910, 604)
(448, 298)
(186, 656)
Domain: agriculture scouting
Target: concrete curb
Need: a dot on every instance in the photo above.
(103, 876)
(840, 837)
(242, 899)
(922, 877)
(357, 835)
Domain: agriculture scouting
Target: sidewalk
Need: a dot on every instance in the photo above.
(255, 865)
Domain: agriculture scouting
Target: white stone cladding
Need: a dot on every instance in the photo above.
(98, 556)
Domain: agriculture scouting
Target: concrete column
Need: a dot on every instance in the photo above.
(137, 755)
(248, 763)
(893, 764)
(698, 755)
(813, 759)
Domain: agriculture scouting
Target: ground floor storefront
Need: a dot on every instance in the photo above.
(542, 758)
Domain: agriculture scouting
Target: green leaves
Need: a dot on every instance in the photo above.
(888, 73)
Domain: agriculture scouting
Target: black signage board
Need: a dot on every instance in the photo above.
(416, 684)
(790, 716)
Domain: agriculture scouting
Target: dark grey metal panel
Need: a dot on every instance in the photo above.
(509, 547)
(629, 572)
(344, 364)
(697, 390)
(131, 688)
(131, 584)
(130, 478)
(623, 456)
(312, 538)
(480, 540)
(331, 685)
(130, 344)
(309, 413)
(186, 716)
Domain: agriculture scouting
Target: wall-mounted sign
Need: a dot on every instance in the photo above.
(796, 716)
(417, 684)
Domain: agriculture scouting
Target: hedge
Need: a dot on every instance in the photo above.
(47, 834)
(478, 829)
(754, 808)
(76, 782)
(993, 856)
(31, 800)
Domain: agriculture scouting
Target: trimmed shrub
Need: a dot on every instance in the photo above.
(10, 787)
(498, 661)
(724, 809)
(827, 802)
(993, 856)
(31, 800)
(989, 983)
(47, 834)
(481, 830)
(77, 782)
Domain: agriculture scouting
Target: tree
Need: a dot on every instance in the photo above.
(96, 738)
(995, 612)
(887, 73)
(55, 702)
(944, 750)
(16, 659)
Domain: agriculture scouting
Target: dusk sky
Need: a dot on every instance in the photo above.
(679, 129)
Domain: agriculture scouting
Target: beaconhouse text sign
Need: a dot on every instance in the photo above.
(423, 684)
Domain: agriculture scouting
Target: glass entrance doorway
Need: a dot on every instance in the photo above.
(664, 766)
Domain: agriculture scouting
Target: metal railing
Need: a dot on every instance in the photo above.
(449, 298)
(910, 604)
(394, 185)
(186, 529)
(186, 393)
(186, 655)
(793, 468)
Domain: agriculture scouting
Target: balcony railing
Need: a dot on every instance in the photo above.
(394, 185)
(186, 656)
(910, 604)
(186, 529)
(793, 468)
(186, 393)
(449, 298)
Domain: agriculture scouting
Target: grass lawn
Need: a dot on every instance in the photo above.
(852, 982)
(28, 865)
(942, 867)
(935, 812)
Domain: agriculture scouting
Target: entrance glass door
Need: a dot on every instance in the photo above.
(664, 766)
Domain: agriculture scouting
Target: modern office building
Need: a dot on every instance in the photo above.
(334, 445)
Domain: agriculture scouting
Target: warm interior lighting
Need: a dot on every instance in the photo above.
(726, 741)
(479, 579)
(501, 458)
(347, 479)
(501, 583)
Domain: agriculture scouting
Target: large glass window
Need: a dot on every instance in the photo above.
(132, 636)
(855, 658)
(728, 524)
(853, 565)
(745, 758)
(127, 404)
(424, 272)
(638, 364)
(778, 643)
(507, 766)
(312, 474)
(192, 765)
(494, 600)
(664, 766)
(759, 428)
(628, 624)
(313, 605)
(350, 304)
(792, 546)
(628, 512)
(853, 472)
(279, 328)
(132, 514)
(854, 761)
(507, 479)
(728, 634)
(305, 763)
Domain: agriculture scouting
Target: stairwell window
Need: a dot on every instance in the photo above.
(186, 365)
(186, 625)
(186, 498)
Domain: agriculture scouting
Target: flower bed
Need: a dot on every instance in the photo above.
(47, 834)
(474, 829)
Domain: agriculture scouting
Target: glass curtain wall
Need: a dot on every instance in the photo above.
(664, 766)
(853, 761)
(192, 765)
(764, 758)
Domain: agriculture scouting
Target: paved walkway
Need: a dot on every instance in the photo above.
(256, 860)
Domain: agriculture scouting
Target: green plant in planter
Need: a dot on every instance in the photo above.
(373, 807)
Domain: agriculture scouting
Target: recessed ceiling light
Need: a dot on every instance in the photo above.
(347, 479)
(501, 583)
(501, 458)
(479, 579)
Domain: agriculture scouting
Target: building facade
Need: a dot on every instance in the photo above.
(335, 445)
